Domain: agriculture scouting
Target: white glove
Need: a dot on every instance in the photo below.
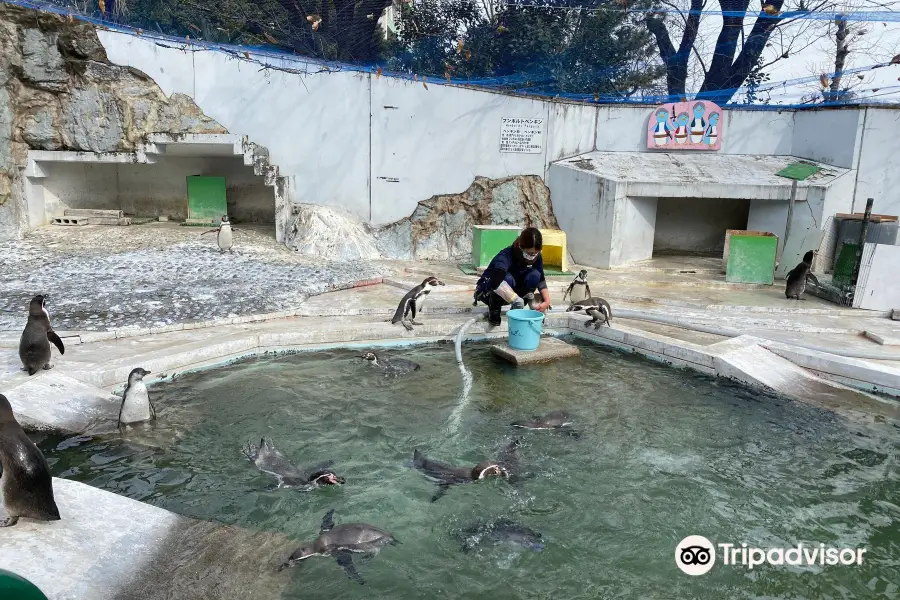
(504, 291)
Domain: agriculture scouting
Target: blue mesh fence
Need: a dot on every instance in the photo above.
(291, 44)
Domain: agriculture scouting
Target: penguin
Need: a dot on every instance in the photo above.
(444, 475)
(408, 304)
(391, 366)
(25, 480)
(796, 278)
(499, 531)
(136, 405)
(34, 346)
(558, 420)
(341, 542)
(224, 237)
(598, 308)
(269, 459)
(579, 288)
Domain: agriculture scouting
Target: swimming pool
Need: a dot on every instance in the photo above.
(662, 454)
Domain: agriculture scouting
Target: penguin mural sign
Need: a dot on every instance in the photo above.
(694, 125)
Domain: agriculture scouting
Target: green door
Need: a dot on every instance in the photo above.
(206, 200)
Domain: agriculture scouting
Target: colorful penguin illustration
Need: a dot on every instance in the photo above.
(712, 130)
(681, 130)
(698, 125)
(662, 130)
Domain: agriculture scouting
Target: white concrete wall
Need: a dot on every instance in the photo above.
(635, 223)
(878, 172)
(697, 224)
(153, 189)
(584, 209)
(828, 136)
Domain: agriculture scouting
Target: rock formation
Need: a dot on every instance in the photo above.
(440, 228)
(58, 91)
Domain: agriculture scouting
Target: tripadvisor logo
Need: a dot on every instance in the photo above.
(696, 555)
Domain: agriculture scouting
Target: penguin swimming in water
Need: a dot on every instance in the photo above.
(499, 531)
(796, 278)
(269, 459)
(558, 420)
(34, 345)
(341, 542)
(444, 475)
(224, 237)
(412, 301)
(24, 473)
(579, 288)
(597, 307)
(390, 366)
(136, 406)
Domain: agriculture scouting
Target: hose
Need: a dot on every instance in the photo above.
(454, 418)
(642, 316)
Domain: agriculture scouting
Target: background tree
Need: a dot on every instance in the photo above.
(583, 48)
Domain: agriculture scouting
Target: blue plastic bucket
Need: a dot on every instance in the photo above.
(525, 328)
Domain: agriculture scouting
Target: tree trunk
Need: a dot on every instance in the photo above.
(840, 57)
(676, 61)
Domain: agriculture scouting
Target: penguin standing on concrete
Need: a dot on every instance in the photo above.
(579, 289)
(26, 481)
(796, 278)
(224, 237)
(413, 301)
(597, 307)
(34, 345)
(136, 406)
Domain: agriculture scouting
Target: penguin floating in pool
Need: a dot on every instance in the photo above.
(444, 475)
(269, 459)
(558, 420)
(390, 366)
(796, 278)
(499, 531)
(597, 307)
(136, 406)
(341, 542)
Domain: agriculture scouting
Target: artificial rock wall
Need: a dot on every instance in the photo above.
(58, 91)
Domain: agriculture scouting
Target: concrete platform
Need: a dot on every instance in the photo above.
(549, 350)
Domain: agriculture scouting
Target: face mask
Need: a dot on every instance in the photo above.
(530, 258)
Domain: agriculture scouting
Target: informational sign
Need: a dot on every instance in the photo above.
(522, 135)
(694, 125)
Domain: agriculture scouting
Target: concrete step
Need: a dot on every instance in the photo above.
(121, 221)
(92, 212)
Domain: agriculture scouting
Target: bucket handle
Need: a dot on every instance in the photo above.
(535, 327)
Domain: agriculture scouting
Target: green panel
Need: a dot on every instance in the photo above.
(843, 268)
(206, 199)
(798, 171)
(751, 259)
(486, 243)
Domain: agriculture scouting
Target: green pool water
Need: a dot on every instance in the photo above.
(663, 454)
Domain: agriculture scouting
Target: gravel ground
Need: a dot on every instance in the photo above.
(99, 278)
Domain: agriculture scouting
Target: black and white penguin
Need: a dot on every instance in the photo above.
(412, 301)
(390, 366)
(341, 542)
(25, 480)
(34, 345)
(499, 531)
(796, 278)
(224, 237)
(558, 420)
(136, 405)
(269, 459)
(579, 288)
(597, 307)
(444, 475)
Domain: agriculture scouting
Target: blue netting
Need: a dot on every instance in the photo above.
(537, 78)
